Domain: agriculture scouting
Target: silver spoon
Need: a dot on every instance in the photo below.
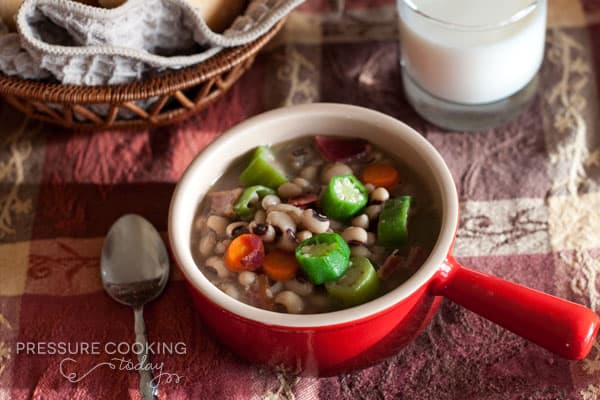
(135, 269)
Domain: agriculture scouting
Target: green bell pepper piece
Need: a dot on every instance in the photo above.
(392, 228)
(323, 257)
(344, 197)
(263, 170)
(242, 206)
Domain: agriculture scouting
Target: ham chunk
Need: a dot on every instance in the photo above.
(303, 201)
(410, 261)
(221, 202)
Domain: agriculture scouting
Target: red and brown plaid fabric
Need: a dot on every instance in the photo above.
(530, 195)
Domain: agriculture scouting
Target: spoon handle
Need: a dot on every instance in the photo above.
(148, 388)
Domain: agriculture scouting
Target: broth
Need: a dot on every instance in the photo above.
(305, 165)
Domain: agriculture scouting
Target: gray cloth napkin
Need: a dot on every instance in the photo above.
(84, 45)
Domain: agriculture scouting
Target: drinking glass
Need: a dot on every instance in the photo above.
(471, 64)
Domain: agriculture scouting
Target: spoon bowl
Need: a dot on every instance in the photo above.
(134, 262)
(134, 266)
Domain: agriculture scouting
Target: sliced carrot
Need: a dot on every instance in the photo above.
(380, 175)
(245, 252)
(280, 265)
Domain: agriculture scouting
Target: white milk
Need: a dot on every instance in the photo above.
(476, 62)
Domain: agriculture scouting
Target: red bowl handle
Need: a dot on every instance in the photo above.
(565, 328)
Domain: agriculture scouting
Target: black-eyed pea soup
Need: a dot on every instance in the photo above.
(314, 225)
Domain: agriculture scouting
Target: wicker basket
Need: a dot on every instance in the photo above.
(178, 94)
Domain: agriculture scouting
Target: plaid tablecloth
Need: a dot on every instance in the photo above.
(530, 195)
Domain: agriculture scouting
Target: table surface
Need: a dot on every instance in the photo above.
(530, 195)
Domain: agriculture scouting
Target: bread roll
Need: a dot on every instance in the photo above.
(9, 8)
(219, 14)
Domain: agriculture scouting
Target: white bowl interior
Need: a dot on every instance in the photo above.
(294, 122)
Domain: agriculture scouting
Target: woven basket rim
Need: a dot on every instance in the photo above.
(162, 85)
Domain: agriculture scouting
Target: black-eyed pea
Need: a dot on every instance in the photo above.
(379, 195)
(287, 241)
(301, 182)
(230, 289)
(355, 234)
(373, 211)
(235, 229)
(303, 235)
(220, 248)
(265, 231)
(290, 209)
(258, 228)
(362, 221)
(274, 289)
(300, 287)
(270, 200)
(207, 243)
(286, 225)
(314, 221)
(260, 216)
(218, 265)
(291, 301)
(309, 173)
(218, 224)
(336, 169)
(246, 278)
(281, 220)
(289, 190)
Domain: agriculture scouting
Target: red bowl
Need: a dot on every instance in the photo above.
(357, 337)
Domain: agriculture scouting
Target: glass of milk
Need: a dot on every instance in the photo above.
(471, 64)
